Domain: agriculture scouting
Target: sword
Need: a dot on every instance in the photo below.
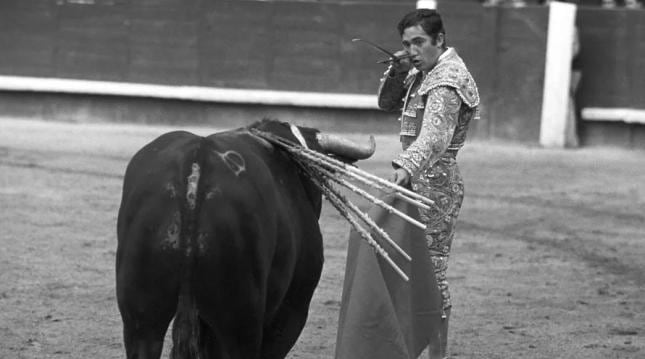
(392, 58)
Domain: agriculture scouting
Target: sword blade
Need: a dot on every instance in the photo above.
(375, 46)
(392, 59)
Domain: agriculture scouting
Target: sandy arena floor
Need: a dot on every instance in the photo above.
(549, 259)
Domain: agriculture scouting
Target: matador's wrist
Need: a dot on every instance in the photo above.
(392, 73)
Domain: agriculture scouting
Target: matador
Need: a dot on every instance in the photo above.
(436, 110)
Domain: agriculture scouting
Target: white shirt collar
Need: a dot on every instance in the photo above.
(445, 54)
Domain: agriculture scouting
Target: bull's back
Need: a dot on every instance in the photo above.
(216, 206)
(202, 198)
(223, 219)
(257, 236)
(151, 223)
(155, 188)
(152, 236)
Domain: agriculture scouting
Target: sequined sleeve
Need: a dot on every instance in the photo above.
(439, 122)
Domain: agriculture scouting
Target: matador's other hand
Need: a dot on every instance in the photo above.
(401, 177)
(402, 65)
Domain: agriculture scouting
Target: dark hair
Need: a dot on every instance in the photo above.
(430, 22)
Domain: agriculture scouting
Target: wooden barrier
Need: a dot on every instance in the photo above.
(295, 54)
(612, 87)
(188, 93)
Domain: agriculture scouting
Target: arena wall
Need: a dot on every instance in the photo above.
(297, 46)
(612, 90)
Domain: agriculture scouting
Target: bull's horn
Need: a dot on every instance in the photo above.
(345, 147)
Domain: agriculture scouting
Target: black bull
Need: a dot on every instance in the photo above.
(221, 233)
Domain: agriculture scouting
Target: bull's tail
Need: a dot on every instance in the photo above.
(187, 330)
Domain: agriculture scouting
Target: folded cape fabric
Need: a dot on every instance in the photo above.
(382, 316)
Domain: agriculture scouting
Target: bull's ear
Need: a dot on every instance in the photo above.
(275, 128)
(305, 136)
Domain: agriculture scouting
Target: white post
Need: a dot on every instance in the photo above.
(427, 4)
(557, 74)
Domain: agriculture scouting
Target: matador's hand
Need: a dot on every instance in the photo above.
(401, 177)
(402, 65)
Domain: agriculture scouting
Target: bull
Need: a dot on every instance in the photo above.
(220, 233)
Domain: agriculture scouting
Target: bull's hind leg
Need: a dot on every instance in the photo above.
(147, 291)
(147, 305)
(283, 332)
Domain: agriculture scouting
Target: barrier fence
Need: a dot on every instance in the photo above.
(297, 50)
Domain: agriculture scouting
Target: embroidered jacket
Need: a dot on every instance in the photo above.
(435, 110)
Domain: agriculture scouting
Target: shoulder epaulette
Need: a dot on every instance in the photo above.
(452, 72)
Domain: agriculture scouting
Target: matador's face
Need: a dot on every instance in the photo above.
(424, 51)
